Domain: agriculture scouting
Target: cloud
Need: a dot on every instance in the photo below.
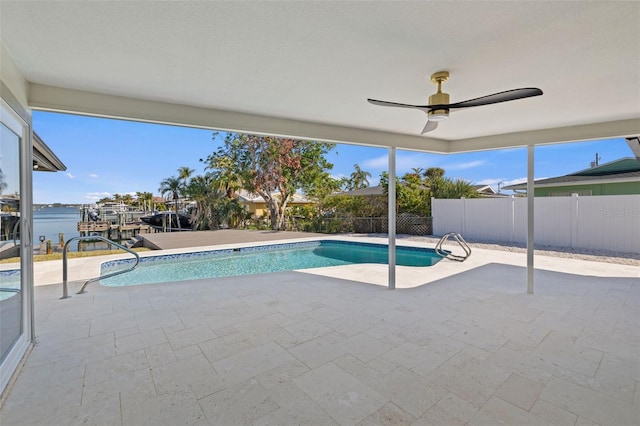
(93, 175)
(69, 175)
(492, 181)
(464, 166)
(514, 181)
(404, 163)
(95, 196)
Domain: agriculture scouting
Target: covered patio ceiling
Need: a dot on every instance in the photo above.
(305, 69)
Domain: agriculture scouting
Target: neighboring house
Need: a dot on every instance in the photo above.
(617, 177)
(487, 191)
(370, 191)
(257, 207)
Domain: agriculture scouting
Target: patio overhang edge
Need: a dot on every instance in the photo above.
(577, 133)
(56, 99)
(50, 98)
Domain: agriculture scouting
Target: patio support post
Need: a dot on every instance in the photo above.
(530, 218)
(392, 218)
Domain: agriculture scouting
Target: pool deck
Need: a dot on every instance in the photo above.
(455, 344)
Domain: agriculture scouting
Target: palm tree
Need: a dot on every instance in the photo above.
(172, 185)
(200, 190)
(359, 178)
(226, 176)
(127, 199)
(184, 173)
(434, 172)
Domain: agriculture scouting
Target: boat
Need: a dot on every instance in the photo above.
(168, 221)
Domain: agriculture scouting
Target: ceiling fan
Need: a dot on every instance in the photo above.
(439, 106)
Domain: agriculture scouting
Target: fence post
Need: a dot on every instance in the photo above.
(573, 220)
(463, 225)
(513, 218)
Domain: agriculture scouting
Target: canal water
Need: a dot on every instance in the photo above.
(49, 222)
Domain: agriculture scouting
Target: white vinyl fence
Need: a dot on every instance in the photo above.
(607, 222)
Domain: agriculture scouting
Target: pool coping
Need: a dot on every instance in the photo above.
(80, 269)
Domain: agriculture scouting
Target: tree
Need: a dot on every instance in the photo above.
(413, 194)
(224, 173)
(144, 200)
(434, 172)
(3, 183)
(171, 185)
(274, 168)
(184, 173)
(358, 179)
(127, 199)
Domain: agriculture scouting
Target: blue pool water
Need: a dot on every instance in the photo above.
(258, 260)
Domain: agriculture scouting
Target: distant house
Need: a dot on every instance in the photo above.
(257, 206)
(617, 177)
(487, 191)
(370, 191)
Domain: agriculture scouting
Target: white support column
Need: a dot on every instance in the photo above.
(530, 218)
(392, 218)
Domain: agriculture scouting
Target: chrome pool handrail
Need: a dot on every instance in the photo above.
(448, 255)
(65, 292)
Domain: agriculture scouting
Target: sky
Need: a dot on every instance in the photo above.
(106, 156)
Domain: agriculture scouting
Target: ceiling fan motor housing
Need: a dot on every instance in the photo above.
(439, 98)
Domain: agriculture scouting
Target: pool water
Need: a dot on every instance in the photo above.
(258, 260)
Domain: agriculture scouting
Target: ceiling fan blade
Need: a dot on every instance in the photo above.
(431, 125)
(424, 108)
(509, 95)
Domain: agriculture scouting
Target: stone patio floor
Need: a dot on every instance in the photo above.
(465, 345)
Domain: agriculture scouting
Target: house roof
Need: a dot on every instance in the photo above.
(370, 191)
(305, 69)
(247, 197)
(485, 189)
(44, 160)
(622, 170)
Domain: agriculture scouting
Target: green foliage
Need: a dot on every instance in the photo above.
(171, 185)
(414, 191)
(358, 179)
(213, 208)
(275, 168)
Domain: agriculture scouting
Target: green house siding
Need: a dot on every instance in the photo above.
(621, 188)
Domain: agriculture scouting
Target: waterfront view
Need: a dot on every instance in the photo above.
(49, 222)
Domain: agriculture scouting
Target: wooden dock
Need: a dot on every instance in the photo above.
(108, 230)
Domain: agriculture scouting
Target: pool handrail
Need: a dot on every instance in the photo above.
(65, 292)
(448, 255)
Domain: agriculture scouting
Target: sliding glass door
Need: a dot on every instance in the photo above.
(15, 242)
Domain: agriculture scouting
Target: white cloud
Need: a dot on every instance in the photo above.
(69, 175)
(404, 163)
(514, 181)
(95, 196)
(464, 166)
(377, 163)
(93, 175)
(491, 181)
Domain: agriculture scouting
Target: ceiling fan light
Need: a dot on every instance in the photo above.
(439, 115)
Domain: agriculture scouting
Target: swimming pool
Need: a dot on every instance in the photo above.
(260, 259)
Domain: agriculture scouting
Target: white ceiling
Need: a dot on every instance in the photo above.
(314, 64)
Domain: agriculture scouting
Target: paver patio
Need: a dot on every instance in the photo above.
(469, 347)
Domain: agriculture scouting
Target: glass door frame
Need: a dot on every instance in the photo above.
(17, 125)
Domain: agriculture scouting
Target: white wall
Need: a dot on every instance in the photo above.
(610, 222)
